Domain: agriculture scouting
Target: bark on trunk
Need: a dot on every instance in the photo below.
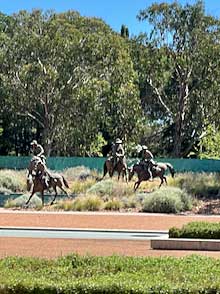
(180, 119)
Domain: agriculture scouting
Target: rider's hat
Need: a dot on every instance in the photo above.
(34, 142)
(144, 147)
(118, 141)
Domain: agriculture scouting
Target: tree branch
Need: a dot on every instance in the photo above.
(156, 91)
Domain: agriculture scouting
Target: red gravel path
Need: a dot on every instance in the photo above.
(50, 248)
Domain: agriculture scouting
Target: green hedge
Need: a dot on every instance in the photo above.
(75, 274)
(197, 230)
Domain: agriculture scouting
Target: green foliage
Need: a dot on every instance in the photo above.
(20, 201)
(66, 63)
(175, 63)
(77, 173)
(198, 184)
(81, 203)
(111, 188)
(12, 180)
(114, 274)
(197, 230)
(96, 145)
(114, 204)
(209, 143)
(167, 200)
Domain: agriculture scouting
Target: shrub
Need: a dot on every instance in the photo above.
(111, 188)
(12, 180)
(113, 204)
(5, 191)
(92, 203)
(81, 203)
(77, 173)
(199, 230)
(81, 186)
(198, 184)
(167, 200)
(35, 202)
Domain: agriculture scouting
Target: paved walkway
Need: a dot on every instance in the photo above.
(51, 248)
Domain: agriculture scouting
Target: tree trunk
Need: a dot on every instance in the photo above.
(180, 119)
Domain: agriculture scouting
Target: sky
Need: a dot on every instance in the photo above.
(113, 12)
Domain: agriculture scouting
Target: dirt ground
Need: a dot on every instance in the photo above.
(50, 248)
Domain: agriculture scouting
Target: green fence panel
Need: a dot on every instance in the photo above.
(60, 163)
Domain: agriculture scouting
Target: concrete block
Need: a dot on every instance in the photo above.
(186, 244)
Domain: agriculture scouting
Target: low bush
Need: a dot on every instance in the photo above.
(167, 200)
(111, 188)
(78, 173)
(20, 201)
(113, 204)
(81, 203)
(78, 186)
(114, 274)
(5, 191)
(198, 184)
(198, 230)
(12, 180)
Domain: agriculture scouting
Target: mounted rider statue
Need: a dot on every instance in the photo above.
(118, 153)
(43, 173)
(147, 161)
(38, 151)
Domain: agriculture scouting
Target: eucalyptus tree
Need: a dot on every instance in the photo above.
(183, 55)
(72, 77)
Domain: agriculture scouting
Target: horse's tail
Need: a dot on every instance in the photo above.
(65, 182)
(171, 169)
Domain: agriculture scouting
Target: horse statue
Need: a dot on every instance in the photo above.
(33, 165)
(143, 175)
(37, 182)
(120, 168)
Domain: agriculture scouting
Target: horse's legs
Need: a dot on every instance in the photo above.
(33, 191)
(55, 190)
(42, 197)
(126, 175)
(64, 191)
(161, 181)
(165, 179)
(119, 173)
(136, 185)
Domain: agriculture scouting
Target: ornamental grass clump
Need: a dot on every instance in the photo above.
(114, 205)
(167, 200)
(81, 203)
(77, 186)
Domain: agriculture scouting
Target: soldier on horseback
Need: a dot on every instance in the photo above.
(147, 161)
(38, 151)
(42, 172)
(118, 153)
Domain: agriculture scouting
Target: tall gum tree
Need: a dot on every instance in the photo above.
(184, 44)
